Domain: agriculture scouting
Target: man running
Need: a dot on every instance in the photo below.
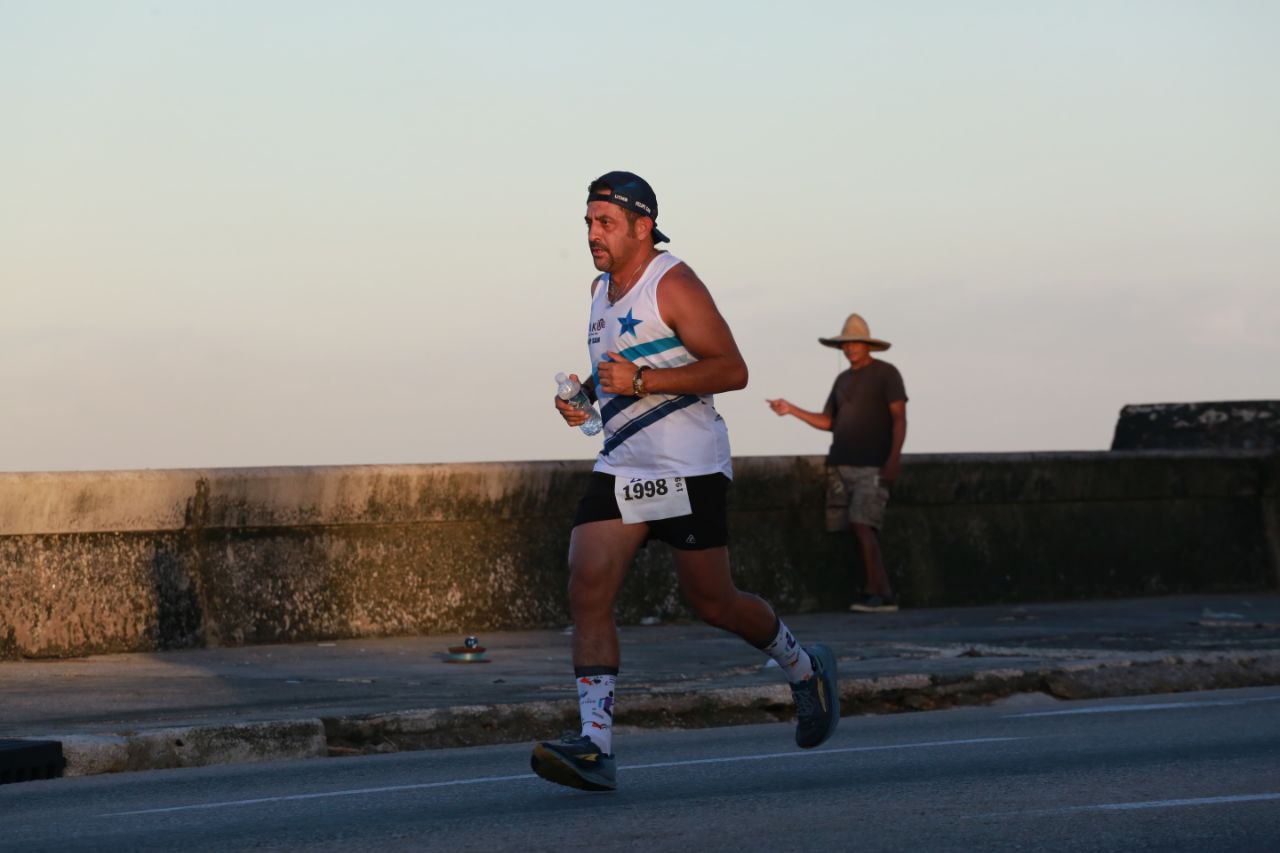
(660, 350)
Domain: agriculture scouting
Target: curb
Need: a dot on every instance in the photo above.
(192, 746)
(663, 707)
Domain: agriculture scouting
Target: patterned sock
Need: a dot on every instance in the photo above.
(793, 659)
(595, 704)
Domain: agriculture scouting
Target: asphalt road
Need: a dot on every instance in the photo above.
(1192, 771)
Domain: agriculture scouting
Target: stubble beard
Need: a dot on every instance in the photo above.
(603, 263)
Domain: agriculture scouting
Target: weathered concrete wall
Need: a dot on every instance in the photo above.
(117, 561)
(1241, 424)
(1271, 514)
(142, 560)
(1065, 525)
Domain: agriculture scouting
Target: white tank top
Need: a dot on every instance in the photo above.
(676, 434)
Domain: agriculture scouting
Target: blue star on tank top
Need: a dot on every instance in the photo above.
(628, 324)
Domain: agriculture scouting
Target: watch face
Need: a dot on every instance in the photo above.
(637, 382)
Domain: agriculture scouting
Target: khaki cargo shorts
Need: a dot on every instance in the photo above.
(854, 496)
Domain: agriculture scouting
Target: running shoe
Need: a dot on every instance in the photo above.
(817, 699)
(575, 761)
(875, 604)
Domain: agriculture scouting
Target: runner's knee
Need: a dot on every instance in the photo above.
(716, 612)
(590, 587)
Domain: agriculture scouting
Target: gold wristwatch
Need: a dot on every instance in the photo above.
(637, 382)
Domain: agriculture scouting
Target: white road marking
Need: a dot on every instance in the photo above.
(732, 758)
(1150, 804)
(1150, 706)
(353, 792)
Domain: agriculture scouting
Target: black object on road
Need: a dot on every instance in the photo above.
(26, 760)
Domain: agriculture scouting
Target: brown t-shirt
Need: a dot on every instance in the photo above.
(861, 426)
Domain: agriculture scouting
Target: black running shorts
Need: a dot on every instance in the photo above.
(707, 526)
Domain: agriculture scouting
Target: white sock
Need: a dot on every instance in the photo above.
(595, 704)
(793, 659)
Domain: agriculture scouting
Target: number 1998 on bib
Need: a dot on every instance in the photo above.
(650, 500)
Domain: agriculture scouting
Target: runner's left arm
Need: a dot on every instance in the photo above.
(687, 307)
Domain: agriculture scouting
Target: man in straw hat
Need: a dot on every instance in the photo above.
(866, 413)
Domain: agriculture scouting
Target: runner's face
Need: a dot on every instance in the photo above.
(613, 241)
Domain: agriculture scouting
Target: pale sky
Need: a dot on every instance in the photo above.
(305, 233)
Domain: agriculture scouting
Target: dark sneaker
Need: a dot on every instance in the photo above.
(875, 604)
(575, 761)
(817, 699)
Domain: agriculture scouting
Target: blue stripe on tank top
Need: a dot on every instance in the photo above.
(617, 404)
(670, 407)
(651, 347)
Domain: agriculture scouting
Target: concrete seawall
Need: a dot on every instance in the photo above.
(102, 562)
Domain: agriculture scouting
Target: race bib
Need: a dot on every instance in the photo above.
(653, 499)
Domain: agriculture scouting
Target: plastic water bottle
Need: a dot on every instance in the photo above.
(571, 392)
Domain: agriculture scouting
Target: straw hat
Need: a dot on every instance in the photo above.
(855, 331)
